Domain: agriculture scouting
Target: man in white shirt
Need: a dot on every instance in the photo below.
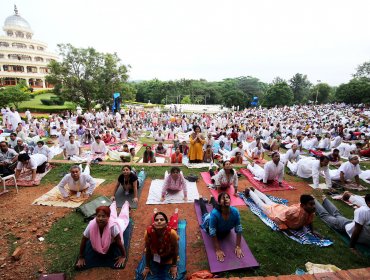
(309, 166)
(348, 171)
(291, 155)
(13, 140)
(63, 138)
(98, 149)
(43, 149)
(355, 199)
(357, 229)
(37, 163)
(274, 169)
(78, 183)
(71, 148)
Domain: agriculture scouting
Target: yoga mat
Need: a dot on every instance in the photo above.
(155, 193)
(24, 179)
(162, 274)
(127, 239)
(302, 236)
(168, 151)
(261, 186)
(235, 201)
(258, 161)
(54, 198)
(322, 186)
(227, 244)
(121, 198)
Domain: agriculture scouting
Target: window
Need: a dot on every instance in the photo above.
(40, 48)
(4, 44)
(39, 59)
(13, 68)
(1, 55)
(31, 47)
(44, 70)
(19, 45)
(10, 33)
(31, 69)
(29, 36)
(19, 34)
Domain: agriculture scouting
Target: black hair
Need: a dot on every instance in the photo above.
(231, 170)
(23, 157)
(174, 168)
(322, 158)
(4, 142)
(220, 195)
(163, 214)
(71, 136)
(196, 126)
(13, 134)
(305, 198)
(274, 153)
(97, 137)
(367, 198)
(126, 165)
(41, 142)
(335, 150)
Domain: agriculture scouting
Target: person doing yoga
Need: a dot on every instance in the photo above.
(101, 243)
(161, 244)
(220, 221)
(357, 229)
(174, 182)
(129, 181)
(225, 178)
(286, 217)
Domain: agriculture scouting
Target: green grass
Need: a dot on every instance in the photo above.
(35, 104)
(277, 254)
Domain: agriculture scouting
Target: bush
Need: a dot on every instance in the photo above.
(54, 100)
(47, 102)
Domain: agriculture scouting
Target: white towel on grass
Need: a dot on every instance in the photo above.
(155, 193)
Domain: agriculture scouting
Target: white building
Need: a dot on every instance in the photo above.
(21, 57)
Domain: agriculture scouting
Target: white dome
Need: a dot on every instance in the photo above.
(16, 21)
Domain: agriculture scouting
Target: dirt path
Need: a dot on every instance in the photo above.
(22, 223)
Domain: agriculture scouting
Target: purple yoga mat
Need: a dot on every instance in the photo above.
(227, 244)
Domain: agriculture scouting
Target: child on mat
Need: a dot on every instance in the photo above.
(161, 245)
(174, 182)
(220, 221)
(102, 241)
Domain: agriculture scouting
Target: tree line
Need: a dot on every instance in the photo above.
(88, 77)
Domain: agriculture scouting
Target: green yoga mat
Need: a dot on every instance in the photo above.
(88, 209)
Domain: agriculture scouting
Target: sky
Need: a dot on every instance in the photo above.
(212, 40)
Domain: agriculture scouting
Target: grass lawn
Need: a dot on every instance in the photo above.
(276, 253)
(35, 104)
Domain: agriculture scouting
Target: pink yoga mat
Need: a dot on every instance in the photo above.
(227, 244)
(235, 201)
(265, 188)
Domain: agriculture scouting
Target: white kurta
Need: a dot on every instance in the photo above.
(349, 170)
(310, 167)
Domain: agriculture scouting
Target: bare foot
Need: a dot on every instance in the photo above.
(155, 210)
(246, 192)
(176, 210)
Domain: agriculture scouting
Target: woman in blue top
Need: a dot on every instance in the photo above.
(222, 219)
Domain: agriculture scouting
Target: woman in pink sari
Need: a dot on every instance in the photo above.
(102, 241)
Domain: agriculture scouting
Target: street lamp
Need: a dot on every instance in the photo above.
(317, 90)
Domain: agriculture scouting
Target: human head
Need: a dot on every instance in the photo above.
(175, 171)
(3, 146)
(71, 138)
(275, 157)
(367, 199)
(97, 139)
(346, 195)
(324, 161)
(40, 143)
(24, 158)
(307, 203)
(19, 141)
(238, 154)
(148, 148)
(240, 145)
(223, 199)
(160, 220)
(196, 128)
(102, 215)
(132, 151)
(177, 151)
(75, 172)
(335, 152)
(227, 165)
(13, 136)
(353, 159)
(126, 170)
(294, 147)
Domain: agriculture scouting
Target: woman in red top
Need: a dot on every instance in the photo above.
(177, 156)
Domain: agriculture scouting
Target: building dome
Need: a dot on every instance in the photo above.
(16, 21)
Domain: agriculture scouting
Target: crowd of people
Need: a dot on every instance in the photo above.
(311, 141)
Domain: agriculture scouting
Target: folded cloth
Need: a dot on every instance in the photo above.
(302, 236)
(313, 268)
(54, 198)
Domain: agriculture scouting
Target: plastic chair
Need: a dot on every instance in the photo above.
(6, 178)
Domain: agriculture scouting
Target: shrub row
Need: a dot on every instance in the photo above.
(52, 101)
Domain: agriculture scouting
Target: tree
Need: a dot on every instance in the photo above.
(186, 100)
(278, 94)
(363, 71)
(128, 92)
(356, 91)
(300, 86)
(14, 95)
(322, 91)
(86, 76)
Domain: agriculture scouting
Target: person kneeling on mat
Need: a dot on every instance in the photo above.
(220, 221)
(37, 163)
(226, 178)
(78, 183)
(161, 244)
(101, 243)
(174, 182)
(129, 181)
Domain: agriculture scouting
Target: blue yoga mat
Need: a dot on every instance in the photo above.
(160, 272)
